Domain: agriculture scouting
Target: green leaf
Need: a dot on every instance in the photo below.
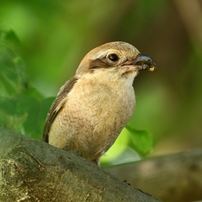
(22, 107)
(119, 154)
(36, 111)
(7, 105)
(39, 117)
(9, 36)
(12, 68)
(128, 147)
(140, 140)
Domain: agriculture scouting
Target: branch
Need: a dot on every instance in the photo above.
(32, 170)
(175, 177)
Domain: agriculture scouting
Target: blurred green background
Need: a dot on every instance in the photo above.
(55, 35)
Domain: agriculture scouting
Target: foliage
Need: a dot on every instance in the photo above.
(22, 107)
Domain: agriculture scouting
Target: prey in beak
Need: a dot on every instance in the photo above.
(142, 62)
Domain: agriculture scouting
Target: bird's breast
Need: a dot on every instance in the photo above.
(101, 105)
(93, 116)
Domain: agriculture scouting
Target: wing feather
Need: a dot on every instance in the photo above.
(57, 105)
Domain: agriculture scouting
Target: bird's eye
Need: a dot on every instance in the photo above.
(113, 57)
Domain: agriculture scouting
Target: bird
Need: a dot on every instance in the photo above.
(91, 108)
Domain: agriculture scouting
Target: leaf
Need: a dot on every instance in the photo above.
(36, 111)
(12, 67)
(7, 105)
(125, 155)
(10, 36)
(140, 140)
(128, 147)
(22, 107)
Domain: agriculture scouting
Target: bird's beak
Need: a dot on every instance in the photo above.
(142, 62)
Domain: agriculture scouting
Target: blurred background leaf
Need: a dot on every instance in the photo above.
(55, 35)
(140, 140)
(22, 107)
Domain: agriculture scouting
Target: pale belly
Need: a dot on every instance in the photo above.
(90, 124)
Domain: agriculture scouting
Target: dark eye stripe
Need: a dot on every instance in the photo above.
(98, 63)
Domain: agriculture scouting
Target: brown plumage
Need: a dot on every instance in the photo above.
(92, 108)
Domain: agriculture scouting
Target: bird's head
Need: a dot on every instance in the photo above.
(120, 59)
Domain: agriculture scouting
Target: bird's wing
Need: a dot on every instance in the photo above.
(57, 105)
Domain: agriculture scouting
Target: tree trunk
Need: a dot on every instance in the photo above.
(176, 177)
(32, 170)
